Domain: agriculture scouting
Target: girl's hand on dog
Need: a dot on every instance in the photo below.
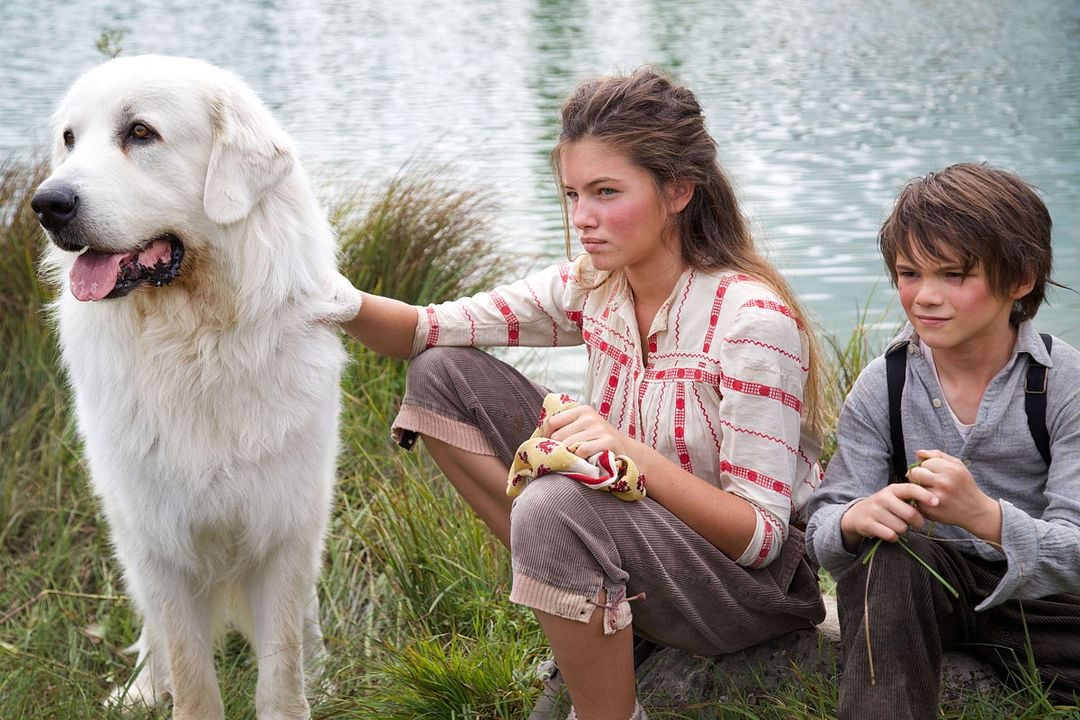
(339, 302)
(960, 501)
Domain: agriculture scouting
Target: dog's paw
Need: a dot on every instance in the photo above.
(136, 697)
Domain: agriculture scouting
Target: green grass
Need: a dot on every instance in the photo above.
(413, 590)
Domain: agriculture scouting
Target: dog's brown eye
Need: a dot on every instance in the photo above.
(69, 139)
(140, 132)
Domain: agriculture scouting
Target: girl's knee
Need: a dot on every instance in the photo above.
(439, 362)
(546, 505)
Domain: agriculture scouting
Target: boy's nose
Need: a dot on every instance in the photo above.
(929, 293)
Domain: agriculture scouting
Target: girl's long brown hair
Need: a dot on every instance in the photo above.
(660, 127)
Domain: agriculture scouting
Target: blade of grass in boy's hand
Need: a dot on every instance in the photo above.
(904, 544)
(932, 571)
(870, 553)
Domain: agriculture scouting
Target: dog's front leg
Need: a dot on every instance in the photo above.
(150, 686)
(315, 655)
(181, 616)
(277, 596)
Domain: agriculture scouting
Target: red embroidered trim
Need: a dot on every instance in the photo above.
(748, 387)
(433, 327)
(513, 329)
(760, 479)
(680, 429)
(775, 306)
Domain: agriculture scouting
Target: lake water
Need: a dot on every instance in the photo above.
(821, 108)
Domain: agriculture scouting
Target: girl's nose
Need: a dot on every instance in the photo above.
(581, 214)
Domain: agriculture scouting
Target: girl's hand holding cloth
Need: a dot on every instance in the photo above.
(539, 456)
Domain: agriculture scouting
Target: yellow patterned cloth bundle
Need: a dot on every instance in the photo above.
(539, 456)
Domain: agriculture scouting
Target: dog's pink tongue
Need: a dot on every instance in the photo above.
(94, 274)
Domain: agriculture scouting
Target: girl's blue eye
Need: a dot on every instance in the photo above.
(607, 191)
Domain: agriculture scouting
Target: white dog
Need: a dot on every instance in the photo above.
(196, 321)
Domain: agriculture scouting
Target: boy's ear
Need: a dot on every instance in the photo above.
(1022, 288)
(679, 194)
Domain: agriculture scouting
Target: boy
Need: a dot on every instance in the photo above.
(968, 250)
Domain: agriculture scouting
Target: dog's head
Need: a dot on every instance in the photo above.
(152, 157)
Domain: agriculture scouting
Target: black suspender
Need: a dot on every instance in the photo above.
(895, 374)
(1034, 406)
(1035, 402)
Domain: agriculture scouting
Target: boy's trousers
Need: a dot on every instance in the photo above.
(914, 619)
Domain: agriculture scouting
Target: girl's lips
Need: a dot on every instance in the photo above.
(590, 244)
(931, 321)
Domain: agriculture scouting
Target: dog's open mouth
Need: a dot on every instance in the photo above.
(98, 275)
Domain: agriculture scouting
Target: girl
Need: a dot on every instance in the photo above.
(702, 371)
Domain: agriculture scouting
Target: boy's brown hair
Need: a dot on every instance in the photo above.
(980, 216)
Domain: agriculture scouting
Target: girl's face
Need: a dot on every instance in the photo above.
(616, 210)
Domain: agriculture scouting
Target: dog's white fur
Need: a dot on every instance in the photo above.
(208, 407)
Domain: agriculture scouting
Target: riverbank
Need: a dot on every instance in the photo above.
(413, 591)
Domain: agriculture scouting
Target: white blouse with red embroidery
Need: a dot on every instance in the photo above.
(721, 392)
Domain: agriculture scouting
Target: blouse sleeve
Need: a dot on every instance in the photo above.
(542, 310)
(763, 378)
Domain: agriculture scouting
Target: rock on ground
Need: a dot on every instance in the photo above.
(673, 678)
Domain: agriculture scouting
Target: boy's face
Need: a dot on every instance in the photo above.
(953, 311)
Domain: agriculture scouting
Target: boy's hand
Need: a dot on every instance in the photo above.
(960, 501)
(887, 514)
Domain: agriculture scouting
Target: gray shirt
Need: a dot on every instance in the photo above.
(1040, 507)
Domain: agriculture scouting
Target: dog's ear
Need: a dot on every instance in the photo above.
(250, 155)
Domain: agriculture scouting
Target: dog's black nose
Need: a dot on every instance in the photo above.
(55, 207)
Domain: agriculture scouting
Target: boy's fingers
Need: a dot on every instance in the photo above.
(907, 516)
(920, 494)
(920, 476)
(886, 532)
